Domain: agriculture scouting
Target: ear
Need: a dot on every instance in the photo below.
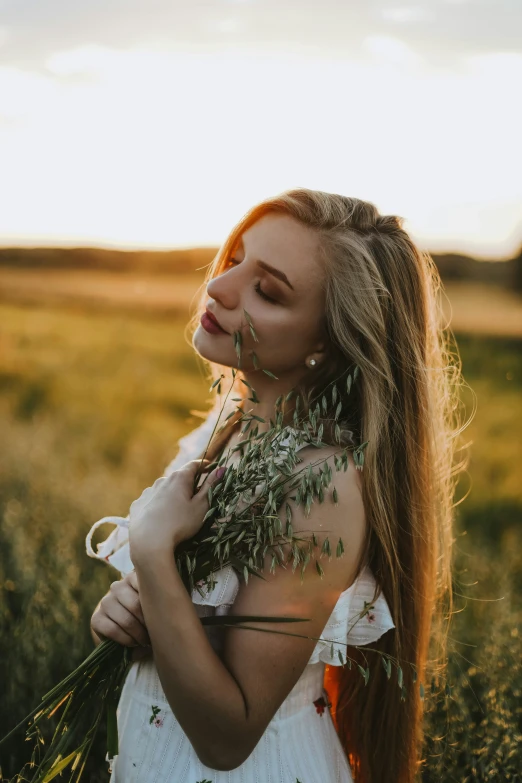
(319, 352)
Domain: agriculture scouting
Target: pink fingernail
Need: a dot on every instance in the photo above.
(219, 472)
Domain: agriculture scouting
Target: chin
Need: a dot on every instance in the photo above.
(204, 345)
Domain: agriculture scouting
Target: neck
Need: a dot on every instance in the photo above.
(267, 390)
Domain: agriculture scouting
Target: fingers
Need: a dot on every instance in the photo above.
(105, 628)
(211, 478)
(129, 628)
(120, 617)
(132, 579)
(127, 593)
(194, 464)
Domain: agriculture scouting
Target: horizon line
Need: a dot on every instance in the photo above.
(492, 255)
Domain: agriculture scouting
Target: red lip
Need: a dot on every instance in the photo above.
(215, 320)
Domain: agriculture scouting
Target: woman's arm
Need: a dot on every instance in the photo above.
(202, 693)
(224, 705)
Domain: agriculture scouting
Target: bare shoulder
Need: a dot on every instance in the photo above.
(340, 515)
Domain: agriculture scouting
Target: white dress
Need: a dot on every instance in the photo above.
(299, 744)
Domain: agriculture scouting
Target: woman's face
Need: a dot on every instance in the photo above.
(288, 323)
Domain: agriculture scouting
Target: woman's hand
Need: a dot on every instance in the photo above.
(119, 617)
(172, 513)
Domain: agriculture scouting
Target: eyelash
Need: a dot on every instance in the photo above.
(257, 286)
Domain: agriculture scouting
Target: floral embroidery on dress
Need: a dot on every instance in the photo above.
(320, 705)
(154, 719)
(367, 611)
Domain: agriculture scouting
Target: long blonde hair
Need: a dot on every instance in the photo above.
(382, 313)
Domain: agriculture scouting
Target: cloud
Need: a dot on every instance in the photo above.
(413, 13)
(387, 49)
(440, 31)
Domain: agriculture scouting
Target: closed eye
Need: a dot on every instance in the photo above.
(263, 295)
(257, 286)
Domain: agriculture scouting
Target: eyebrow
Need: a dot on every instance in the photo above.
(271, 269)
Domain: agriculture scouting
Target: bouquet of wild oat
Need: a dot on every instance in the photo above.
(241, 528)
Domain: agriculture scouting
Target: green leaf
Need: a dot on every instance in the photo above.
(271, 374)
(421, 691)
(365, 673)
(216, 382)
(235, 619)
(251, 326)
(335, 496)
(319, 568)
(288, 511)
(112, 724)
(400, 677)
(59, 766)
(325, 549)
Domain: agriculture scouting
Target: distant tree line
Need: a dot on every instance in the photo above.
(452, 266)
(180, 261)
(504, 273)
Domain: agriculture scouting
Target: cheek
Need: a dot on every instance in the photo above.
(279, 338)
(272, 327)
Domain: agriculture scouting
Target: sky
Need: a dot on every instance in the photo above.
(159, 123)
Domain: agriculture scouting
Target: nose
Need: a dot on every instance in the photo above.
(225, 289)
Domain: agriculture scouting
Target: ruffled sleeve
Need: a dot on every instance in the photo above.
(115, 548)
(222, 593)
(355, 620)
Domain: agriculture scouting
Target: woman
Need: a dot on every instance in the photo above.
(329, 284)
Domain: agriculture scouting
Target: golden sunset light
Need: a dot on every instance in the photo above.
(260, 316)
(156, 145)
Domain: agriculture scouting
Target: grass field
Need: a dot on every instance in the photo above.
(472, 307)
(92, 402)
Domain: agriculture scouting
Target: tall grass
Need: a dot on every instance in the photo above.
(91, 407)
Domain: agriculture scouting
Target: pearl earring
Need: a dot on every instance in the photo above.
(312, 362)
